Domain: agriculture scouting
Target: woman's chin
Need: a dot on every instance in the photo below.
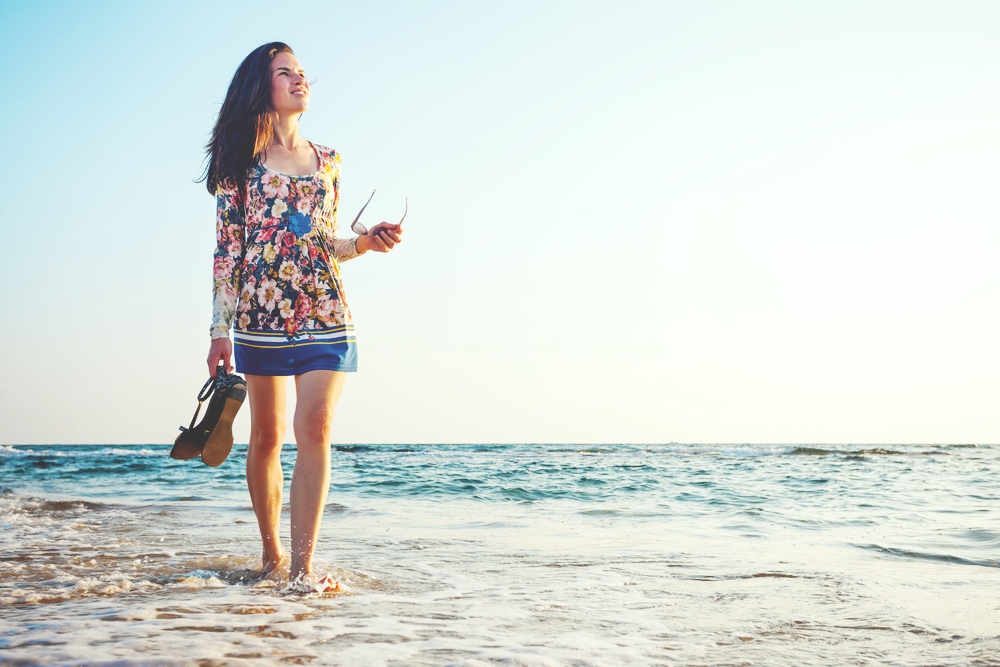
(294, 106)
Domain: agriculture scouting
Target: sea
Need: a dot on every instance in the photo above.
(520, 555)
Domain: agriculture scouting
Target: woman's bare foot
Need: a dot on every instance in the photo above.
(300, 566)
(270, 563)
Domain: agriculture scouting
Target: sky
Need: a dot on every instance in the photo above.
(629, 222)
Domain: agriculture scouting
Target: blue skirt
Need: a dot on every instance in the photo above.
(276, 353)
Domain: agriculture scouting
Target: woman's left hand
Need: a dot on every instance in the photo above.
(383, 237)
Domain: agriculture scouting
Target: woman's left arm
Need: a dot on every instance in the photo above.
(383, 237)
(346, 249)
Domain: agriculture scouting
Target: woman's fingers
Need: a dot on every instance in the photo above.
(221, 350)
(386, 241)
(386, 236)
(390, 239)
(386, 227)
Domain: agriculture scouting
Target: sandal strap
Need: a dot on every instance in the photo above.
(220, 380)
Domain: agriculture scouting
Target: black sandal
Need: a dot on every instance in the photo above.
(212, 438)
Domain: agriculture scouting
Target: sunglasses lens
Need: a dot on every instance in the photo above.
(359, 229)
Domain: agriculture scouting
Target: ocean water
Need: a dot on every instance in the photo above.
(512, 555)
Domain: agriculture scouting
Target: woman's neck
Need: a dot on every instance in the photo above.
(286, 131)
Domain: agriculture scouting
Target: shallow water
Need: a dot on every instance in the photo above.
(514, 555)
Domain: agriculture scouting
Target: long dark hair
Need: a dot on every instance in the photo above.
(244, 127)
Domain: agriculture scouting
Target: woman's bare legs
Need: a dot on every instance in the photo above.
(264, 476)
(317, 393)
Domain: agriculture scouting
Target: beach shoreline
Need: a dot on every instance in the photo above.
(534, 555)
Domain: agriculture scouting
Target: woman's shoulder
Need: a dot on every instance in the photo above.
(327, 153)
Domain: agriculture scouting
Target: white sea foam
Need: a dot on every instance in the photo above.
(10, 450)
(722, 450)
(76, 451)
(195, 581)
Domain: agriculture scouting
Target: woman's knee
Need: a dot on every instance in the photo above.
(267, 440)
(314, 426)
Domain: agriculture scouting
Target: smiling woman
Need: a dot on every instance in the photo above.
(278, 288)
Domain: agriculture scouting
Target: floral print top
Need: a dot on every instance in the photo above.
(279, 269)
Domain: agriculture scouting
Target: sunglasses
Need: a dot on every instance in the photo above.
(360, 229)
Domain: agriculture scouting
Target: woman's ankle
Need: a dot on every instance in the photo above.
(296, 571)
(271, 560)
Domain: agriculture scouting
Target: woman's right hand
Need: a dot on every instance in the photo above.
(221, 351)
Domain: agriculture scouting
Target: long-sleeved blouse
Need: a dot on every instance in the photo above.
(277, 269)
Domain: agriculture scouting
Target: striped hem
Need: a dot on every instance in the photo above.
(279, 340)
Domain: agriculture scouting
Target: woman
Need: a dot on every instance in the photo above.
(278, 289)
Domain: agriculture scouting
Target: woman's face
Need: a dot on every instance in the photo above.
(289, 88)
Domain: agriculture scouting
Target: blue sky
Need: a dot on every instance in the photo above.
(629, 222)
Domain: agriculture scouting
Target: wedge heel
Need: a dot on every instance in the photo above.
(212, 438)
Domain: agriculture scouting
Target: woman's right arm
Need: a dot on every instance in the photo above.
(230, 234)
